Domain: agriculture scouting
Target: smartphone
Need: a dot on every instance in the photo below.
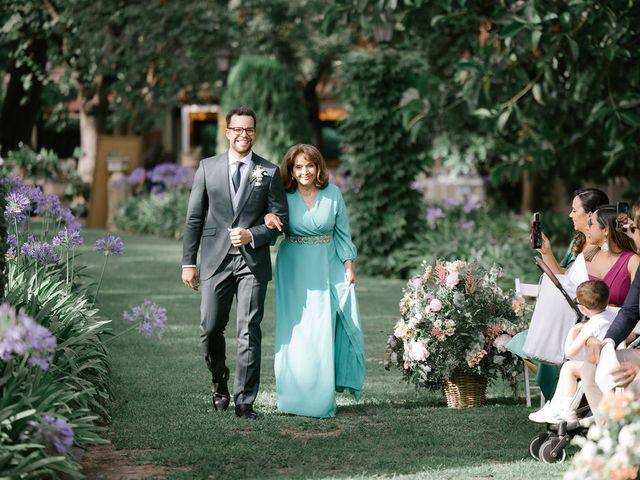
(536, 231)
(622, 213)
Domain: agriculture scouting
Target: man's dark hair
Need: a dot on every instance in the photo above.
(242, 111)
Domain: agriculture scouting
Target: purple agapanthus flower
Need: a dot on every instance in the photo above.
(151, 318)
(470, 206)
(110, 245)
(137, 176)
(42, 252)
(68, 238)
(49, 206)
(448, 203)
(12, 242)
(468, 225)
(22, 335)
(17, 208)
(32, 192)
(170, 175)
(433, 214)
(11, 181)
(55, 433)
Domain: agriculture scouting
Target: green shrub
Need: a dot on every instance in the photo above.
(160, 214)
(268, 88)
(488, 236)
(381, 157)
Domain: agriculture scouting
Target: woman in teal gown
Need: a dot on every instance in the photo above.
(319, 347)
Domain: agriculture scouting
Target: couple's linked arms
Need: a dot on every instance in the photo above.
(273, 222)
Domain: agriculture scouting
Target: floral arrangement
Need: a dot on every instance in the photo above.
(454, 318)
(610, 452)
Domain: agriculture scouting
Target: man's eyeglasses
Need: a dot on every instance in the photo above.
(238, 130)
(630, 227)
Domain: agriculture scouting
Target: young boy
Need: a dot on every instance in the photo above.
(592, 298)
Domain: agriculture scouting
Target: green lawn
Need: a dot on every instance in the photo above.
(163, 409)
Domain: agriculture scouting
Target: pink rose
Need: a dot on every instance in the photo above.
(452, 279)
(435, 305)
(417, 351)
(501, 342)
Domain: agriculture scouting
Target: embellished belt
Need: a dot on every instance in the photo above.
(311, 240)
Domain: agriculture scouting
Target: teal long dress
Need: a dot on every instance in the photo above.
(319, 345)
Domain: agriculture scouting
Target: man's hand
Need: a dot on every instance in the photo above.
(191, 278)
(625, 373)
(594, 347)
(239, 236)
(272, 221)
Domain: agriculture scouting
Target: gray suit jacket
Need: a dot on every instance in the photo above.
(211, 212)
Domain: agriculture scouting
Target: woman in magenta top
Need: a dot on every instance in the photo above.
(613, 257)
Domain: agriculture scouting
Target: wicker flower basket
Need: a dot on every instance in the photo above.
(465, 390)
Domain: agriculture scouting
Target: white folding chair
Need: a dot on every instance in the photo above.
(529, 290)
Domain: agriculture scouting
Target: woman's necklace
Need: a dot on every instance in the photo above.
(308, 196)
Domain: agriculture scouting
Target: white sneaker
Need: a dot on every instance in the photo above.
(541, 415)
(551, 413)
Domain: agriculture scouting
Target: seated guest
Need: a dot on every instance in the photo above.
(584, 203)
(612, 255)
(592, 298)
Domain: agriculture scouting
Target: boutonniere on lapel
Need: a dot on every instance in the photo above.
(257, 175)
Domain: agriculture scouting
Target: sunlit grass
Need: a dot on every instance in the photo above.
(163, 403)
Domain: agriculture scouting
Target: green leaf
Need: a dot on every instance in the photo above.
(503, 118)
(537, 93)
(511, 29)
(575, 50)
(631, 118)
(535, 38)
(484, 113)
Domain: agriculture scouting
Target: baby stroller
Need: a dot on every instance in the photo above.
(549, 446)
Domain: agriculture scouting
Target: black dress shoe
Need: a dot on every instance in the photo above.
(245, 410)
(220, 392)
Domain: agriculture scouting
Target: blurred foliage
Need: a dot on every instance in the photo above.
(42, 166)
(3, 241)
(160, 214)
(269, 89)
(382, 161)
(488, 236)
(546, 87)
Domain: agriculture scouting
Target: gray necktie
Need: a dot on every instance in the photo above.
(237, 175)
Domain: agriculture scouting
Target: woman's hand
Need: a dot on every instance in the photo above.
(272, 221)
(350, 272)
(625, 373)
(546, 246)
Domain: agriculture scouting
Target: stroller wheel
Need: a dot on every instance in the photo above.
(546, 451)
(534, 445)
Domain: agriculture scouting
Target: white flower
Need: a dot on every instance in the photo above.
(452, 279)
(589, 450)
(417, 351)
(606, 444)
(498, 359)
(501, 342)
(402, 330)
(257, 174)
(435, 305)
(627, 437)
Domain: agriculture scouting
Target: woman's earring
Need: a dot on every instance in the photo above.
(605, 246)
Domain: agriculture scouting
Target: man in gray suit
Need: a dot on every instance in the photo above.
(230, 196)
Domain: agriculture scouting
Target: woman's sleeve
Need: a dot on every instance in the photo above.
(341, 232)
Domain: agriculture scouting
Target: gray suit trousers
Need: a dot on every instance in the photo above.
(233, 278)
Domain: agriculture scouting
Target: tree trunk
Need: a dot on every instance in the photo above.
(17, 119)
(313, 111)
(92, 120)
(526, 204)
